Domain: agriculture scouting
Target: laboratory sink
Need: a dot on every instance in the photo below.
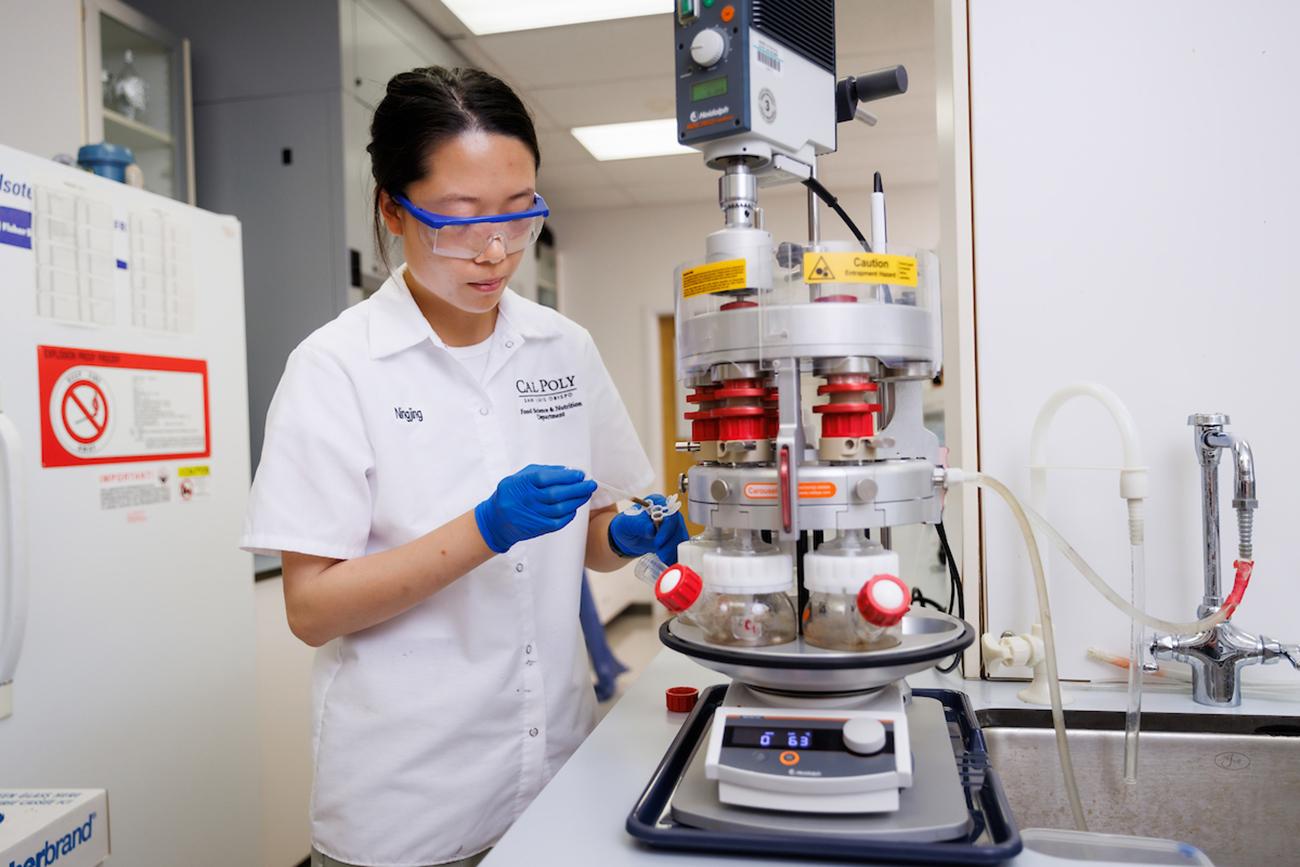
(1229, 784)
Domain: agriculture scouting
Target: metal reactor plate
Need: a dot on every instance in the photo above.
(933, 808)
(896, 332)
(799, 668)
(883, 493)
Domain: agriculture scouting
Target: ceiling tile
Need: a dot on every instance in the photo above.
(560, 148)
(620, 50)
(598, 102)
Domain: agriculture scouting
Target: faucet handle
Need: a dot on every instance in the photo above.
(1208, 419)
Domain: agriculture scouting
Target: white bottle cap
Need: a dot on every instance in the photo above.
(691, 553)
(747, 573)
(830, 573)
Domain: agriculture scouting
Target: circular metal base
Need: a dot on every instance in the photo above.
(882, 493)
(928, 638)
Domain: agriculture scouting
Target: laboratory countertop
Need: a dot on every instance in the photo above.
(582, 811)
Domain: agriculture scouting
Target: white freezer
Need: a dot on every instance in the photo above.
(123, 396)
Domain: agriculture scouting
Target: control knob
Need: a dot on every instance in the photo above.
(864, 736)
(707, 47)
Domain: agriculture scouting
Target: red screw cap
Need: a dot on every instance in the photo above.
(681, 699)
(884, 600)
(678, 587)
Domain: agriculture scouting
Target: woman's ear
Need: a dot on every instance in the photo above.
(391, 212)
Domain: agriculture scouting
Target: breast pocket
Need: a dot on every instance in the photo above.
(552, 422)
(428, 465)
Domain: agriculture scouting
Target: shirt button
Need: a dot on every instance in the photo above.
(510, 344)
(532, 733)
(483, 410)
(528, 649)
(519, 567)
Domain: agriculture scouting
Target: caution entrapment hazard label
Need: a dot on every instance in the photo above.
(826, 267)
(724, 276)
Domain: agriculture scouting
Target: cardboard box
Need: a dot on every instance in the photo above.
(53, 827)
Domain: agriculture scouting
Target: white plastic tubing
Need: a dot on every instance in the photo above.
(955, 476)
(1133, 474)
(1023, 517)
(1133, 489)
(1190, 627)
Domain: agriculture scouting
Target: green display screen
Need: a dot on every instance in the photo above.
(708, 89)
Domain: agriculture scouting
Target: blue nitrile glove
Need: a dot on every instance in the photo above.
(533, 502)
(634, 535)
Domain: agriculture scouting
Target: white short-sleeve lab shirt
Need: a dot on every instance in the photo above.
(433, 730)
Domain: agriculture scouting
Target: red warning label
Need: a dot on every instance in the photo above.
(102, 407)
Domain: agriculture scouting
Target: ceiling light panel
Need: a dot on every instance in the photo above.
(502, 16)
(627, 141)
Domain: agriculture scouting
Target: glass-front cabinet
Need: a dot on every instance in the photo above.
(138, 94)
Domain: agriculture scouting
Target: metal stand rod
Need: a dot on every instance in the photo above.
(801, 593)
(814, 216)
(789, 442)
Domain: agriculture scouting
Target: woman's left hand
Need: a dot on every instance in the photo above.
(634, 535)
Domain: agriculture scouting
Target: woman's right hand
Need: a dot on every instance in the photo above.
(533, 502)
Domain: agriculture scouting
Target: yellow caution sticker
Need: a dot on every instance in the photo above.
(191, 472)
(828, 267)
(724, 276)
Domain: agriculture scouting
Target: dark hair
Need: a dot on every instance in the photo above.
(427, 106)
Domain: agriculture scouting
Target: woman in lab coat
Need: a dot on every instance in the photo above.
(427, 474)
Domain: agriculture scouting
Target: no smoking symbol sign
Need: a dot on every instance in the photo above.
(85, 411)
(81, 413)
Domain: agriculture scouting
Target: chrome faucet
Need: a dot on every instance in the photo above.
(1218, 655)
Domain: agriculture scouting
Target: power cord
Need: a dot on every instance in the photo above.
(834, 204)
(956, 589)
(954, 577)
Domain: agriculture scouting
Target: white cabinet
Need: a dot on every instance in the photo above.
(378, 39)
(358, 193)
(138, 94)
(381, 38)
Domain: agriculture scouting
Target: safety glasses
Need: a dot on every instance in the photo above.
(470, 237)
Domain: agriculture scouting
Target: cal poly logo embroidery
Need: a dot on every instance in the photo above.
(548, 398)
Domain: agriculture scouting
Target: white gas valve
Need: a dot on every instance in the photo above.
(1022, 650)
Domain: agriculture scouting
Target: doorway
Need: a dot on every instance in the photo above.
(674, 428)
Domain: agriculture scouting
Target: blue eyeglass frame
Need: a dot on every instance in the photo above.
(441, 221)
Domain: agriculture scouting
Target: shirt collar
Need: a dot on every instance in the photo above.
(528, 319)
(396, 322)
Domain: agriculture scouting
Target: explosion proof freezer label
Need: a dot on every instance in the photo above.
(102, 407)
(852, 267)
(725, 276)
(807, 490)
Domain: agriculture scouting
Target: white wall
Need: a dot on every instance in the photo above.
(41, 105)
(1135, 189)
